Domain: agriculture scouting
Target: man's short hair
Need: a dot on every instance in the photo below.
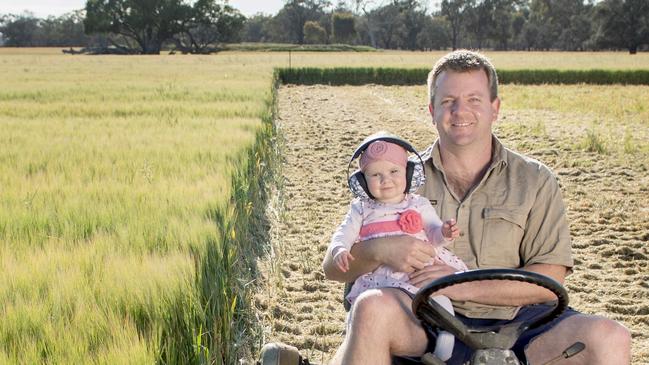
(463, 61)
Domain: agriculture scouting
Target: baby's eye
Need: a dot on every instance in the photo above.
(394, 171)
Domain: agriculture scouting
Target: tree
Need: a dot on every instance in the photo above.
(455, 11)
(502, 17)
(479, 20)
(296, 13)
(314, 33)
(412, 18)
(342, 27)
(255, 28)
(19, 30)
(388, 31)
(434, 35)
(209, 25)
(143, 26)
(366, 23)
(622, 24)
(148, 23)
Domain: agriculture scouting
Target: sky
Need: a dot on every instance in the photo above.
(43, 8)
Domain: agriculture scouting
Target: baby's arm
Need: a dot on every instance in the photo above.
(438, 233)
(344, 238)
(342, 257)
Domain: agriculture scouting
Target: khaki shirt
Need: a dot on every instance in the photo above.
(514, 217)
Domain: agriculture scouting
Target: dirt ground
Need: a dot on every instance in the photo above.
(607, 199)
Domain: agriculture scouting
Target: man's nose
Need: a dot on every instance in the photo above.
(458, 106)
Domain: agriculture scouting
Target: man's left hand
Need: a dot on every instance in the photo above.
(428, 274)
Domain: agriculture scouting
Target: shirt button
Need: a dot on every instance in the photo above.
(461, 234)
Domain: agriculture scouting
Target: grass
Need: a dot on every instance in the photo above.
(593, 142)
(111, 171)
(284, 47)
(127, 186)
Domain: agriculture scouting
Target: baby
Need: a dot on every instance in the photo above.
(385, 205)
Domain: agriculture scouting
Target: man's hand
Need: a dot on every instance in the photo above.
(402, 253)
(428, 274)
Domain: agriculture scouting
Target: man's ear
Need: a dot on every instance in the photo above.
(431, 110)
(495, 109)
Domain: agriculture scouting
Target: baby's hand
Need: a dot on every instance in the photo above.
(450, 230)
(342, 258)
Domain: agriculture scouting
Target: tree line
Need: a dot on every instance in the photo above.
(203, 26)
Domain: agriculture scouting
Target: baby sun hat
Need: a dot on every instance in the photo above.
(383, 151)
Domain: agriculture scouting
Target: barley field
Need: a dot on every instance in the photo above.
(116, 171)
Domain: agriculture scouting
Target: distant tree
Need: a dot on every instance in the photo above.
(209, 25)
(412, 18)
(342, 27)
(577, 34)
(455, 12)
(365, 25)
(255, 28)
(19, 30)
(389, 32)
(478, 20)
(622, 24)
(147, 23)
(314, 33)
(551, 19)
(64, 31)
(502, 17)
(295, 13)
(434, 34)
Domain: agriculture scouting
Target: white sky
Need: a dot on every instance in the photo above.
(44, 8)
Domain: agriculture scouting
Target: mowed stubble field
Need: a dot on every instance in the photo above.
(110, 165)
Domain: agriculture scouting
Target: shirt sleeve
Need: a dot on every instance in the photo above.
(432, 223)
(547, 235)
(348, 231)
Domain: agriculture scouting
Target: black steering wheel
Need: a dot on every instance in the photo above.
(503, 337)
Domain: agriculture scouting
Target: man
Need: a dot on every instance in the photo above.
(510, 211)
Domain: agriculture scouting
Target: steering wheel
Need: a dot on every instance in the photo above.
(428, 310)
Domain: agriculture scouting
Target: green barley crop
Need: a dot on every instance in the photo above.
(109, 171)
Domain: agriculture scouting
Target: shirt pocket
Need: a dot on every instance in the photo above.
(503, 232)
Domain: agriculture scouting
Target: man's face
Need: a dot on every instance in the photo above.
(463, 111)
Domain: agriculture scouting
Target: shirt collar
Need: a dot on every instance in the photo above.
(498, 155)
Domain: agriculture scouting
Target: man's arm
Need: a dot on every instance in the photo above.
(494, 292)
(402, 253)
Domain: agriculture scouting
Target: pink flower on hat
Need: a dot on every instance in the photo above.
(377, 149)
(410, 221)
(383, 151)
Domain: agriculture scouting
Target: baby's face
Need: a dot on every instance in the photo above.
(386, 181)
